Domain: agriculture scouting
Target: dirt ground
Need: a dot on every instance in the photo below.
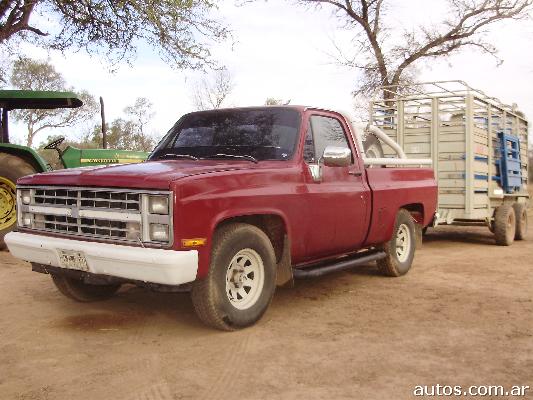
(462, 316)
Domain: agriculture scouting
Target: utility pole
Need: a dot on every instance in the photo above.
(104, 129)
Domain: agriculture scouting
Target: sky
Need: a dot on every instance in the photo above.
(281, 50)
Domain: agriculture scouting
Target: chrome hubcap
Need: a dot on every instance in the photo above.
(245, 279)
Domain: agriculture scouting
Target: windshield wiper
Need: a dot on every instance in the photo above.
(243, 157)
(179, 156)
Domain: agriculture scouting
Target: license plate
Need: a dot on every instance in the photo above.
(73, 260)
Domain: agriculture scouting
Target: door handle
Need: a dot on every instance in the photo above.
(355, 173)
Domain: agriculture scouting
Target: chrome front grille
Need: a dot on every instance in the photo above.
(110, 214)
(89, 198)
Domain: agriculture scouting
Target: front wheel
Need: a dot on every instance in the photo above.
(241, 279)
(78, 290)
(400, 250)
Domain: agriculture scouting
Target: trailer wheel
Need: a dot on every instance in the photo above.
(504, 225)
(241, 279)
(520, 211)
(78, 290)
(400, 249)
(11, 168)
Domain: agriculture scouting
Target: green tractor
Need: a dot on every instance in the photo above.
(17, 161)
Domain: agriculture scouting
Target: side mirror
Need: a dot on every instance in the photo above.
(337, 156)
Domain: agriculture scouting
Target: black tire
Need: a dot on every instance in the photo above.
(520, 211)
(394, 264)
(78, 290)
(11, 168)
(211, 296)
(504, 225)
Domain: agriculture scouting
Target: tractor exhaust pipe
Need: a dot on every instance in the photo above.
(104, 129)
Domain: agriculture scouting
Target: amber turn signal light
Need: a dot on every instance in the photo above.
(193, 242)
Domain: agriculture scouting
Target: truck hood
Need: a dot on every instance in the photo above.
(147, 175)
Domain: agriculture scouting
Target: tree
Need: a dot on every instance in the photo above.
(212, 92)
(129, 133)
(29, 74)
(179, 29)
(141, 112)
(390, 58)
(271, 101)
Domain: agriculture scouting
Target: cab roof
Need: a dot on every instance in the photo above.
(32, 99)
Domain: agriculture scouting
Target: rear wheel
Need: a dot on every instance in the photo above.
(520, 211)
(400, 249)
(241, 279)
(11, 168)
(78, 290)
(504, 225)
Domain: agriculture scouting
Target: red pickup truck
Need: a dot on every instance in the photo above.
(229, 204)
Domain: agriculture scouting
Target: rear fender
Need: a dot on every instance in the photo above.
(27, 154)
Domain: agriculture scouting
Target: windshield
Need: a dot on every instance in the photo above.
(253, 134)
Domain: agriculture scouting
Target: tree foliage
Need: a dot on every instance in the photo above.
(129, 133)
(180, 29)
(271, 101)
(29, 74)
(387, 57)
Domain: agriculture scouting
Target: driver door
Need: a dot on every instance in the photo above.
(338, 205)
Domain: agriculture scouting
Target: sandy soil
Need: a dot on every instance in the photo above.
(462, 316)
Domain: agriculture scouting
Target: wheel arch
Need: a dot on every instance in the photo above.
(275, 226)
(416, 210)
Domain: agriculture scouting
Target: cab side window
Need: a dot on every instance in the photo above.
(324, 132)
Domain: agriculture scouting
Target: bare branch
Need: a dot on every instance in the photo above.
(213, 92)
(390, 59)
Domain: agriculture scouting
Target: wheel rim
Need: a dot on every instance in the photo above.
(403, 243)
(245, 278)
(8, 212)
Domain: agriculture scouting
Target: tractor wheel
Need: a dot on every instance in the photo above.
(504, 225)
(11, 168)
(520, 211)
